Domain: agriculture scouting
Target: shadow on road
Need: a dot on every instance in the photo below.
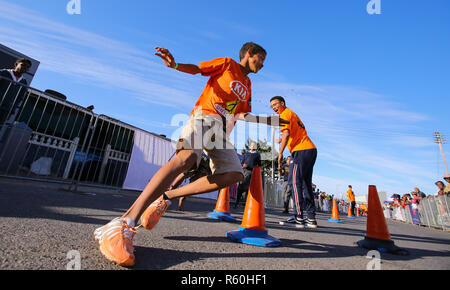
(159, 259)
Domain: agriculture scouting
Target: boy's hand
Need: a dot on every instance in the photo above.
(166, 56)
(280, 159)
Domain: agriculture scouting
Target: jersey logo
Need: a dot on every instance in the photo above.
(231, 107)
(240, 90)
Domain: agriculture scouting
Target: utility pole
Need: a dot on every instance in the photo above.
(439, 139)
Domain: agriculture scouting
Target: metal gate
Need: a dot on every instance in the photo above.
(46, 137)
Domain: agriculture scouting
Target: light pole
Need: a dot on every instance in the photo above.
(439, 139)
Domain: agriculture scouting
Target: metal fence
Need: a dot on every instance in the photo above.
(46, 137)
(273, 197)
(272, 193)
(432, 211)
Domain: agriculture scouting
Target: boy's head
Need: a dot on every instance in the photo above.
(440, 184)
(22, 65)
(278, 104)
(253, 146)
(447, 177)
(253, 55)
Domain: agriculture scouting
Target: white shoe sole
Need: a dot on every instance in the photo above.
(294, 225)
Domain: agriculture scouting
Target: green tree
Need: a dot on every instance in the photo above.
(265, 149)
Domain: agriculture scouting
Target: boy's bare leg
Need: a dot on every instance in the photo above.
(178, 181)
(206, 184)
(181, 204)
(183, 161)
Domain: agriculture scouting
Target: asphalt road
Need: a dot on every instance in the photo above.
(40, 223)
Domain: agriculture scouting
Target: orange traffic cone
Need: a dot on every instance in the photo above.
(350, 213)
(377, 233)
(222, 211)
(253, 228)
(357, 212)
(335, 213)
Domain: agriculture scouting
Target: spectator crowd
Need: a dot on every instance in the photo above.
(324, 200)
(417, 195)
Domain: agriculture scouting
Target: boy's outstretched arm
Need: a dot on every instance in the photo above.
(169, 60)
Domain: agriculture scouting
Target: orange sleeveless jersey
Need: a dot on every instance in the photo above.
(228, 91)
(298, 139)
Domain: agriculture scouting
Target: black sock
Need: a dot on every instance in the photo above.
(165, 196)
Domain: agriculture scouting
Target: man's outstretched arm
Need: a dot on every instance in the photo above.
(270, 121)
(169, 60)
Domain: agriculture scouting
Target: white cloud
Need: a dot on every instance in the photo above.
(94, 59)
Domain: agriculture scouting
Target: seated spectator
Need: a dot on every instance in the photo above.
(441, 187)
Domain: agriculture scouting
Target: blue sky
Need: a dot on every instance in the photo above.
(371, 89)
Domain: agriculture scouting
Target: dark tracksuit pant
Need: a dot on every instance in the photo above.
(353, 204)
(244, 185)
(300, 180)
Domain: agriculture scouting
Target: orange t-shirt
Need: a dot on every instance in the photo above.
(350, 195)
(298, 139)
(228, 91)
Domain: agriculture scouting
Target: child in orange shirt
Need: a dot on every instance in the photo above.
(225, 99)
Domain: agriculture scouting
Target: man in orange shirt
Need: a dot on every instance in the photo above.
(226, 98)
(351, 199)
(304, 154)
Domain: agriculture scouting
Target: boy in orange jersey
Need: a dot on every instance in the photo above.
(225, 99)
(351, 199)
(303, 157)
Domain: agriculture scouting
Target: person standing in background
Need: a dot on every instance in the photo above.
(287, 191)
(351, 199)
(250, 160)
(12, 88)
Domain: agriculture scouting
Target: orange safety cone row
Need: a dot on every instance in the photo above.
(335, 213)
(253, 228)
(377, 233)
(222, 210)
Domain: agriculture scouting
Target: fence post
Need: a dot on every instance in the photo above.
(73, 149)
(104, 163)
(75, 182)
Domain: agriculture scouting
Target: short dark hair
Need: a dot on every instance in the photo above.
(279, 98)
(24, 60)
(350, 186)
(439, 182)
(253, 47)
